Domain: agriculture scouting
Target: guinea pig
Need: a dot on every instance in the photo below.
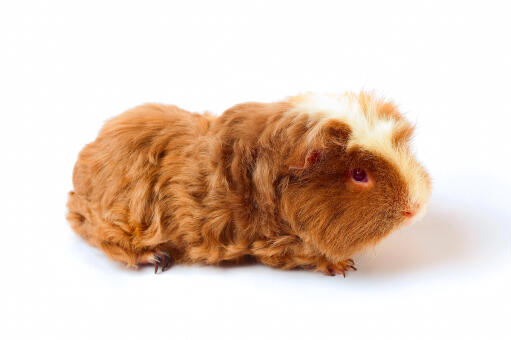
(302, 183)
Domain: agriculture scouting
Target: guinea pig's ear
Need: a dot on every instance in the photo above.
(338, 133)
(333, 134)
(311, 157)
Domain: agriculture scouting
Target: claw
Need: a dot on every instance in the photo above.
(163, 263)
(353, 267)
(350, 262)
(157, 261)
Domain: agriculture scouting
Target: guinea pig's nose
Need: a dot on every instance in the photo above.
(408, 213)
(411, 209)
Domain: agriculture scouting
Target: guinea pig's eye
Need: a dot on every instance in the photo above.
(359, 175)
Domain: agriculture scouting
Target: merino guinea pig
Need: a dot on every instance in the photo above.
(301, 183)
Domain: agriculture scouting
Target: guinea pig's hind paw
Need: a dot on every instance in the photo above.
(340, 268)
(160, 259)
(163, 260)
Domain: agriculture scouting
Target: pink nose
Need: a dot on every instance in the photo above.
(410, 210)
(408, 213)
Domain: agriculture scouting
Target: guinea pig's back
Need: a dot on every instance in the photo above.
(121, 165)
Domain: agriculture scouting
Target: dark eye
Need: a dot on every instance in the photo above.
(359, 175)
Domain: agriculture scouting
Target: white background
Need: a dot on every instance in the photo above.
(65, 67)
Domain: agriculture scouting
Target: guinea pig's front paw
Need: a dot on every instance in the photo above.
(158, 258)
(340, 268)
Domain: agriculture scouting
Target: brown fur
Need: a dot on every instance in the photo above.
(161, 180)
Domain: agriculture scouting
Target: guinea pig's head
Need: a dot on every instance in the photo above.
(352, 177)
